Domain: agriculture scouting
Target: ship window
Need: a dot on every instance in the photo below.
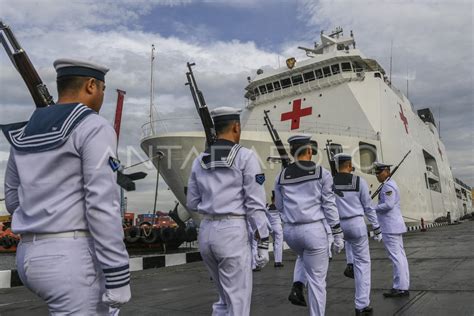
(377, 75)
(357, 67)
(335, 69)
(285, 83)
(368, 155)
(269, 87)
(432, 172)
(263, 89)
(319, 73)
(346, 67)
(255, 91)
(298, 79)
(277, 86)
(326, 71)
(308, 76)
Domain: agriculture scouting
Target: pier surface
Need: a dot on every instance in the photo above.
(441, 267)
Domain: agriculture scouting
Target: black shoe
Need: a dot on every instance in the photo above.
(296, 295)
(397, 293)
(366, 311)
(257, 269)
(349, 272)
(278, 265)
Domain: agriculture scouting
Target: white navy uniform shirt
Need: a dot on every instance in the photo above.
(388, 209)
(230, 184)
(61, 181)
(353, 198)
(305, 196)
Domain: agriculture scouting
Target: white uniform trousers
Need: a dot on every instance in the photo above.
(393, 244)
(299, 273)
(65, 273)
(225, 250)
(310, 241)
(355, 234)
(349, 256)
(277, 235)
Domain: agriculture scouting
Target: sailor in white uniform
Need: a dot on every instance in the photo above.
(353, 202)
(62, 193)
(276, 231)
(226, 187)
(304, 196)
(393, 227)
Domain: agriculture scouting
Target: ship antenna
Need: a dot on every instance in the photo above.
(390, 73)
(152, 90)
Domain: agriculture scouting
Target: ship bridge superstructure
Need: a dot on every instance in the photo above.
(332, 62)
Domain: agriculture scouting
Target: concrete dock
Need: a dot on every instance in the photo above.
(442, 283)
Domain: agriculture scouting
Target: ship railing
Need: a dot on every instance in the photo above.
(170, 124)
(188, 124)
(316, 128)
(308, 86)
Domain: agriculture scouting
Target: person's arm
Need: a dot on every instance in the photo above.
(12, 182)
(329, 200)
(388, 195)
(366, 202)
(193, 196)
(254, 193)
(102, 200)
(278, 195)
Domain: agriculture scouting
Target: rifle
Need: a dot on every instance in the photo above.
(391, 175)
(332, 163)
(201, 107)
(285, 159)
(23, 65)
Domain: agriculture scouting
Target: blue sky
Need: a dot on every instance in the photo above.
(269, 25)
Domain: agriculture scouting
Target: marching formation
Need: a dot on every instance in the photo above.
(80, 267)
(319, 214)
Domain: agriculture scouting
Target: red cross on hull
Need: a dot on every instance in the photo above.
(403, 118)
(296, 114)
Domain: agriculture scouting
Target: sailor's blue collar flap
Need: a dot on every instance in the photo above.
(300, 171)
(47, 129)
(346, 182)
(220, 156)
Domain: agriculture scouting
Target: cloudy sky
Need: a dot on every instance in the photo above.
(230, 39)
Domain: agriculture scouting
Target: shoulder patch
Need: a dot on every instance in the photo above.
(388, 193)
(260, 178)
(114, 163)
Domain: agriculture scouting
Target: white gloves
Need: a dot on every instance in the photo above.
(117, 297)
(338, 243)
(262, 253)
(377, 234)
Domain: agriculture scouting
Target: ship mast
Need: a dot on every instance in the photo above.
(152, 89)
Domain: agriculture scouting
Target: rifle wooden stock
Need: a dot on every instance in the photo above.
(38, 90)
(23, 65)
(201, 107)
(285, 159)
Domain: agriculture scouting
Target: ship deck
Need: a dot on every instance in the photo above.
(442, 283)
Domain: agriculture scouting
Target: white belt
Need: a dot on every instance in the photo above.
(73, 234)
(218, 217)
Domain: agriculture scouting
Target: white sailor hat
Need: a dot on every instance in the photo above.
(379, 166)
(225, 113)
(77, 68)
(341, 157)
(299, 139)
